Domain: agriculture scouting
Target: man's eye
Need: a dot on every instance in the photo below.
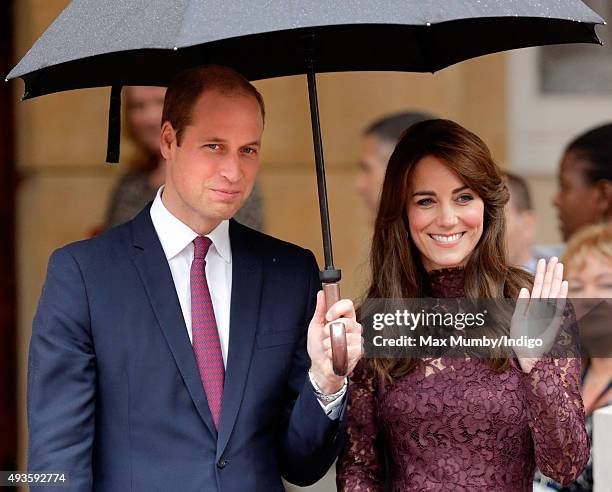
(249, 150)
(212, 146)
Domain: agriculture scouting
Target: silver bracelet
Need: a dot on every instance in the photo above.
(322, 396)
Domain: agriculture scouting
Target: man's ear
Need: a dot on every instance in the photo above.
(167, 138)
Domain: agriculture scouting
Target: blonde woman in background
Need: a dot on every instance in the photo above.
(588, 267)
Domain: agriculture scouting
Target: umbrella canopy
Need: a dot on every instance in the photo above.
(146, 42)
(140, 42)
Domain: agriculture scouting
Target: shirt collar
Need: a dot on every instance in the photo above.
(175, 235)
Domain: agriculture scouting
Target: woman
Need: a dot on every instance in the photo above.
(585, 180)
(456, 424)
(588, 259)
(138, 186)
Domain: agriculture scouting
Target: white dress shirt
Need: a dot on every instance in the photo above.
(177, 242)
(176, 239)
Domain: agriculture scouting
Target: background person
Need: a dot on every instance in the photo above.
(588, 263)
(521, 225)
(585, 181)
(146, 173)
(379, 140)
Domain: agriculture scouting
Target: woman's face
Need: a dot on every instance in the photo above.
(445, 217)
(593, 280)
(577, 200)
(144, 113)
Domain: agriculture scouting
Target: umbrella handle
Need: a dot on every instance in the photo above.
(337, 332)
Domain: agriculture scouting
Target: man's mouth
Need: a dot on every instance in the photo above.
(226, 192)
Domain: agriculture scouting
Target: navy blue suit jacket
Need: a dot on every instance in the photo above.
(114, 394)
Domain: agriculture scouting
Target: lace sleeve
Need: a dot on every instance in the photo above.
(360, 463)
(556, 412)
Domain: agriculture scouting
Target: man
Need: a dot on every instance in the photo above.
(137, 187)
(171, 353)
(379, 140)
(520, 224)
(521, 228)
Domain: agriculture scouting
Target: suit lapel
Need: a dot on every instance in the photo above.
(155, 273)
(246, 294)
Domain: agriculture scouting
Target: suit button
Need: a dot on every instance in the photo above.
(221, 463)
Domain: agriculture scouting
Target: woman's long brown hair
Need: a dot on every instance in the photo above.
(396, 267)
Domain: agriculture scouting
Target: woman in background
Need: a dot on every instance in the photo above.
(146, 173)
(457, 424)
(585, 181)
(588, 262)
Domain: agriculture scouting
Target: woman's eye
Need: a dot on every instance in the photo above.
(574, 289)
(425, 202)
(465, 198)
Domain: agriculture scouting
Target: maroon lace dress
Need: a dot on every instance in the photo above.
(456, 425)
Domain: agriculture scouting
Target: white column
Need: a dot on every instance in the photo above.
(601, 448)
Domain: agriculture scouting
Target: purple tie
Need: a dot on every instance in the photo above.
(205, 336)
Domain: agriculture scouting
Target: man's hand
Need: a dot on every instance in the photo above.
(319, 342)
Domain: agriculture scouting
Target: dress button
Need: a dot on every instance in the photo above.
(221, 463)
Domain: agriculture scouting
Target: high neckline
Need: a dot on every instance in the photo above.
(447, 282)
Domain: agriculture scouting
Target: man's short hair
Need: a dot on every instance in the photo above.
(390, 128)
(519, 192)
(188, 85)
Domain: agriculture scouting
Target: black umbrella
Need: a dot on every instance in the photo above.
(138, 42)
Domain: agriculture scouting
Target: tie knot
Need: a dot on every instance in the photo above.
(201, 244)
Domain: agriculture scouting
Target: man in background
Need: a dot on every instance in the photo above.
(520, 224)
(379, 139)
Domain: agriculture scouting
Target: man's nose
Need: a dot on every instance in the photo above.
(230, 168)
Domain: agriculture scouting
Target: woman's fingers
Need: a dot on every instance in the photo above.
(564, 289)
(539, 279)
(548, 278)
(522, 304)
(557, 280)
